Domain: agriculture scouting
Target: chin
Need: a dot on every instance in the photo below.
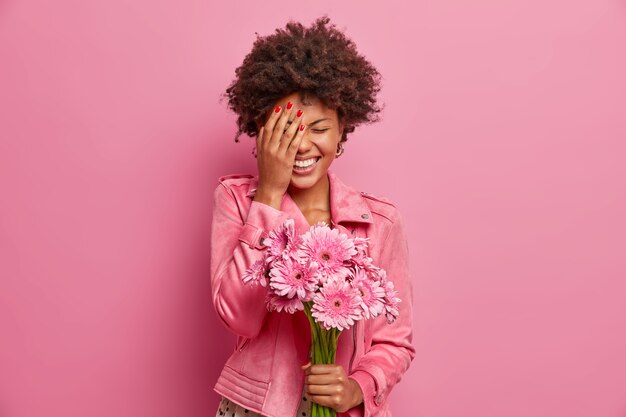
(306, 181)
(303, 183)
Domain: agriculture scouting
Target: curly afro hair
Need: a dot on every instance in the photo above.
(320, 61)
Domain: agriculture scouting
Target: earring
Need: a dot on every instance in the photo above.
(339, 150)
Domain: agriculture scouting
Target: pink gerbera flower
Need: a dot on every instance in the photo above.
(336, 305)
(329, 248)
(372, 295)
(291, 277)
(257, 274)
(391, 301)
(282, 241)
(275, 302)
(360, 243)
(361, 260)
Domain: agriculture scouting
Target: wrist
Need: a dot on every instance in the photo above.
(272, 199)
(357, 393)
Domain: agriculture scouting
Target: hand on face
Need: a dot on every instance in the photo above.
(328, 385)
(276, 147)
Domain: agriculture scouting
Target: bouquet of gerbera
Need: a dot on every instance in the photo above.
(329, 276)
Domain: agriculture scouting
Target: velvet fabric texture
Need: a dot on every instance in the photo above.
(264, 373)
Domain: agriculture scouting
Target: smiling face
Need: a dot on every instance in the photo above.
(319, 144)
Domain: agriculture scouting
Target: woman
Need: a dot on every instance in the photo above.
(300, 92)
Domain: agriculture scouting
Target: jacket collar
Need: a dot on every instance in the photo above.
(346, 203)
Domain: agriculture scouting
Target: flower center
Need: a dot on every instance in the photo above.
(325, 256)
(337, 303)
(298, 275)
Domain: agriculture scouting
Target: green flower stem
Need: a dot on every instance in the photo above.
(323, 351)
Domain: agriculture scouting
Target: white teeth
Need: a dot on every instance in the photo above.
(306, 163)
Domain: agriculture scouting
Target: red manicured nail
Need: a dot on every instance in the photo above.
(301, 127)
(299, 113)
(289, 105)
(277, 109)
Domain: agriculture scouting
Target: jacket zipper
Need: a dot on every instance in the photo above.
(353, 334)
(243, 345)
(354, 348)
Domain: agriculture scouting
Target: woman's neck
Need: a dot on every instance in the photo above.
(316, 197)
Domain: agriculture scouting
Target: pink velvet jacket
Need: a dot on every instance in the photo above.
(264, 371)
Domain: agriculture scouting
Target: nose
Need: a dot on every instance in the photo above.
(305, 144)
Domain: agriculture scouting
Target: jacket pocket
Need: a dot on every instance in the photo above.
(244, 389)
(254, 357)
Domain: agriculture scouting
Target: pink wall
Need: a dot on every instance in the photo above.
(504, 134)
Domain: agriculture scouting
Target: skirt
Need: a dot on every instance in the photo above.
(228, 408)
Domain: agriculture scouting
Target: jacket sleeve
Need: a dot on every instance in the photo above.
(235, 245)
(392, 351)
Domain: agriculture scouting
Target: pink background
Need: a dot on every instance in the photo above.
(502, 143)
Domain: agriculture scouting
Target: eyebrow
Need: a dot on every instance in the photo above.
(311, 124)
(319, 120)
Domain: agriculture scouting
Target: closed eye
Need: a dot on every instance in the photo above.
(319, 130)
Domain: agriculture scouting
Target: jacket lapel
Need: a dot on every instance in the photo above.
(347, 205)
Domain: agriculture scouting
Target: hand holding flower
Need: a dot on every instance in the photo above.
(330, 277)
(328, 385)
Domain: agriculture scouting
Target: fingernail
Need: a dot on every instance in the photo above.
(299, 113)
(301, 127)
(277, 109)
(289, 105)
